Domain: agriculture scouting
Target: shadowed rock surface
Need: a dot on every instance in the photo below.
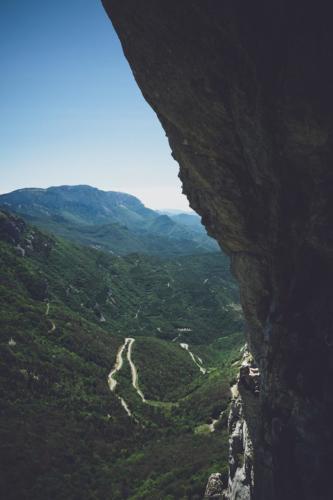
(244, 93)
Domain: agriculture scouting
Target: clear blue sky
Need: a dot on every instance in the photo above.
(71, 112)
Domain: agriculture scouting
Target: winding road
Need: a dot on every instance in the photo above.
(134, 371)
(118, 365)
(194, 358)
(112, 382)
(53, 326)
(128, 343)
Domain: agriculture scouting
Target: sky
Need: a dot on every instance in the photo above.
(71, 112)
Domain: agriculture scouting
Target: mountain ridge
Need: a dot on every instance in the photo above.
(78, 211)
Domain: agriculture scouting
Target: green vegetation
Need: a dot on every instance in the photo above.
(110, 221)
(169, 372)
(64, 312)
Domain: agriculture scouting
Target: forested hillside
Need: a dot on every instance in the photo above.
(109, 220)
(65, 312)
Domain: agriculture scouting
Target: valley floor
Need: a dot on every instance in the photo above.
(128, 345)
(97, 400)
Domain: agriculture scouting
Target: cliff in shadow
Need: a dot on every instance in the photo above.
(244, 93)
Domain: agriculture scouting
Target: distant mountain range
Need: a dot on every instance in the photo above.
(109, 220)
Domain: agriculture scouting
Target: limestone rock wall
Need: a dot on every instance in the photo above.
(244, 93)
(241, 470)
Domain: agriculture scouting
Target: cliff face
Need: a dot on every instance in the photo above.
(244, 93)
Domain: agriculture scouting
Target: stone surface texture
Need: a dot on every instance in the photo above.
(242, 426)
(244, 93)
(214, 489)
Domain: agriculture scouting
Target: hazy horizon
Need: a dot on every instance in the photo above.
(71, 110)
(187, 209)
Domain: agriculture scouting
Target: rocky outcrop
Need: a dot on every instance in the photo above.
(243, 432)
(244, 93)
(12, 228)
(241, 473)
(26, 241)
(214, 489)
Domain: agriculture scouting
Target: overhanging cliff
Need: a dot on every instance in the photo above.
(244, 93)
